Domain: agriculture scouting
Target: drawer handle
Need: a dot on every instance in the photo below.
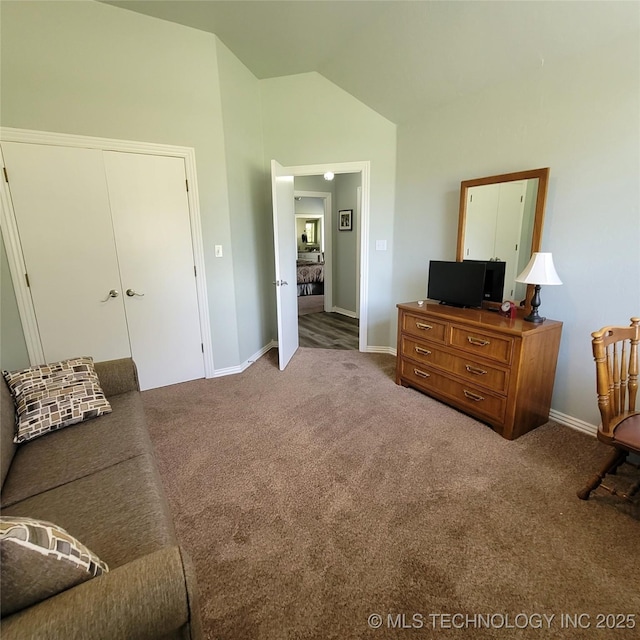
(472, 396)
(478, 342)
(423, 326)
(424, 352)
(421, 374)
(475, 370)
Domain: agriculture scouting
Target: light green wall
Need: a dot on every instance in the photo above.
(580, 118)
(345, 243)
(13, 349)
(87, 68)
(335, 127)
(249, 204)
(314, 183)
(91, 69)
(313, 206)
(170, 84)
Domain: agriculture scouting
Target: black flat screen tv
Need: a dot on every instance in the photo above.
(460, 284)
(493, 279)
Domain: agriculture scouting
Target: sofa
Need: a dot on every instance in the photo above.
(98, 481)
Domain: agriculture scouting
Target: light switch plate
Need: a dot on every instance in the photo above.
(381, 245)
(218, 249)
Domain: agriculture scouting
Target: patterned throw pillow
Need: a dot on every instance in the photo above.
(39, 560)
(52, 396)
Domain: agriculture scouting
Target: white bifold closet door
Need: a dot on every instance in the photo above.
(94, 225)
(61, 204)
(150, 213)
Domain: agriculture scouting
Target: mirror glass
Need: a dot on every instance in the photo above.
(501, 219)
(310, 229)
(309, 232)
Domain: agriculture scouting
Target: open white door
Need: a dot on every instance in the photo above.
(284, 241)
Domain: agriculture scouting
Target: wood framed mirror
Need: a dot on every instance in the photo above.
(501, 219)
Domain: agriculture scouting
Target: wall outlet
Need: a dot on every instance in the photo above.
(381, 245)
(218, 249)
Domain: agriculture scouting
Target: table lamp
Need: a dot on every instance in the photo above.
(539, 271)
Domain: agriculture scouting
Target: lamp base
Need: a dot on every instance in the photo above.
(535, 303)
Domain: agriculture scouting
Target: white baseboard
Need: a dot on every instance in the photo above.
(256, 356)
(387, 350)
(229, 371)
(344, 312)
(573, 423)
(556, 416)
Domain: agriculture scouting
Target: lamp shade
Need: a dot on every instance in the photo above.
(540, 270)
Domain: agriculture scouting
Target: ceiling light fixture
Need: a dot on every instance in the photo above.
(328, 175)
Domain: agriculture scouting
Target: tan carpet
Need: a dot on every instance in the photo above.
(312, 498)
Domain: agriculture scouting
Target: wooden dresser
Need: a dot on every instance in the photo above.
(499, 370)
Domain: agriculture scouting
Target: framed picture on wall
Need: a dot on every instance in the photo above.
(345, 220)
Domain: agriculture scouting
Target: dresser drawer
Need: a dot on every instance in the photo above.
(487, 345)
(491, 377)
(426, 328)
(470, 398)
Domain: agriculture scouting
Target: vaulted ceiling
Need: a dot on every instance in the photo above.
(402, 57)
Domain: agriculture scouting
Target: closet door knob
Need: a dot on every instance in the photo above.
(131, 293)
(112, 294)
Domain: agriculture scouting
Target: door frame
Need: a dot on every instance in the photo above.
(325, 196)
(364, 168)
(11, 236)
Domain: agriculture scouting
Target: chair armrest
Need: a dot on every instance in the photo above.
(146, 598)
(117, 376)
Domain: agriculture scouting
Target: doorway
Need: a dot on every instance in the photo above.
(322, 242)
(314, 254)
(285, 243)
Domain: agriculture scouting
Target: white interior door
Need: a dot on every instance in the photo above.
(509, 230)
(62, 212)
(151, 222)
(284, 239)
(482, 212)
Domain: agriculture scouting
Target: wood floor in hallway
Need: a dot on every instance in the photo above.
(328, 331)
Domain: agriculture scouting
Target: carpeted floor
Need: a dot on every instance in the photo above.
(312, 498)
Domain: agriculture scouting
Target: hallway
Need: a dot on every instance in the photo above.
(328, 331)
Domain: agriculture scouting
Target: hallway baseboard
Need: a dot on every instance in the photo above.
(344, 312)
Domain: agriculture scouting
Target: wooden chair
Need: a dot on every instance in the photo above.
(615, 350)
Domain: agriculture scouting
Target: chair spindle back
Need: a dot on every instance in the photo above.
(615, 350)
